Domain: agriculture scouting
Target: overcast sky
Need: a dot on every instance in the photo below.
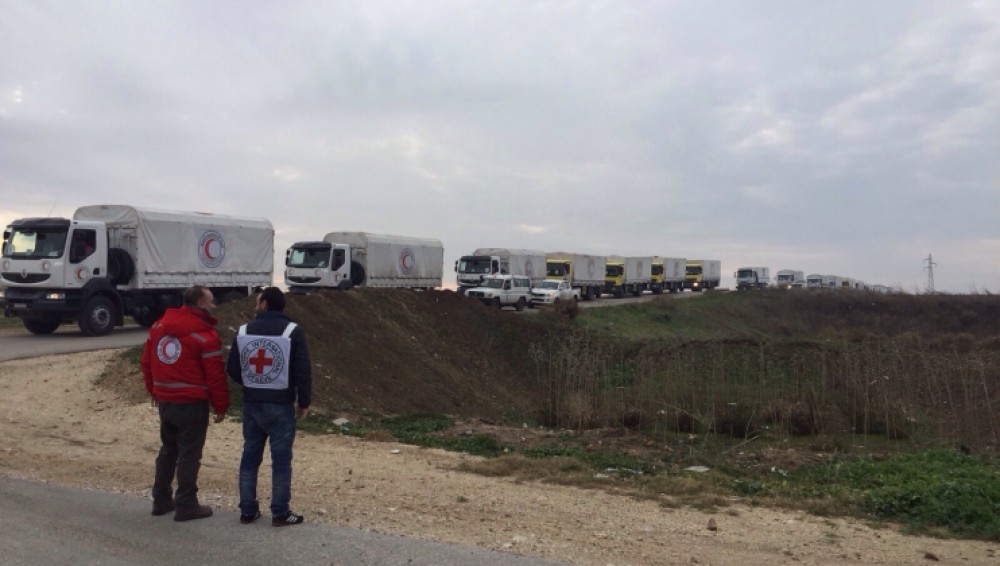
(850, 138)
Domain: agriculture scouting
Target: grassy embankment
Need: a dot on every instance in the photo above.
(839, 403)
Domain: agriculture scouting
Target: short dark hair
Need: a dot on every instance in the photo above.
(274, 298)
(194, 294)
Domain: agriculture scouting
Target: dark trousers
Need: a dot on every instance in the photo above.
(183, 427)
(273, 423)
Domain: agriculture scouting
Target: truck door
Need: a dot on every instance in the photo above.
(340, 268)
(87, 256)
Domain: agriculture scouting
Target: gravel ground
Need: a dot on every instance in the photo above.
(59, 424)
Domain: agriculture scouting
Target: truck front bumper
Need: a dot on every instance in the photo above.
(41, 303)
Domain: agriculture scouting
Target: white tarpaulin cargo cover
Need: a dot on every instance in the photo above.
(178, 249)
(394, 261)
(673, 268)
(530, 263)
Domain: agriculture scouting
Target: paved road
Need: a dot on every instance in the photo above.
(47, 524)
(19, 343)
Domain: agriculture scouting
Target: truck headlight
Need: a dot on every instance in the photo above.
(56, 296)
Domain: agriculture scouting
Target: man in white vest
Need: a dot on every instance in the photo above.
(270, 359)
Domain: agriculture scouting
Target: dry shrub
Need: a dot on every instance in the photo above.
(797, 418)
(735, 420)
(633, 418)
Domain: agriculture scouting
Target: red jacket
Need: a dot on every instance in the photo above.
(182, 360)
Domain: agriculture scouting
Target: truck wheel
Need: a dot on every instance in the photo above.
(520, 304)
(40, 325)
(357, 274)
(121, 268)
(97, 317)
(618, 292)
(497, 304)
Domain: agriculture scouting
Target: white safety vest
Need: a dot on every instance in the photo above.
(265, 359)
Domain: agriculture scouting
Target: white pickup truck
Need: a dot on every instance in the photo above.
(504, 291)
(553, 292)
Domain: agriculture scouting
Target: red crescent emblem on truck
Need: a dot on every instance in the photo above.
(211, 248)
(407, 261)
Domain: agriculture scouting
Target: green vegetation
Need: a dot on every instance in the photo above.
(926, 491)
(419, 429)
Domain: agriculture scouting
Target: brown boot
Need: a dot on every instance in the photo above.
(162, 507)
(191, 513)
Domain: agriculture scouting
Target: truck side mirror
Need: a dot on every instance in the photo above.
(288, 255)
(456, 266)
(6, 234)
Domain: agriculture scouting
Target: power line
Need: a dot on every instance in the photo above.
(930, 272)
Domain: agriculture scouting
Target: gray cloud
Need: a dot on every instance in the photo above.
(851, 138)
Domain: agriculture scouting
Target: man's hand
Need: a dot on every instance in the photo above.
(153, 402)
(302, 412)
(219, 417)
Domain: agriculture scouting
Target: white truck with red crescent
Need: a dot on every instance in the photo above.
(110, 261)
(343, 260)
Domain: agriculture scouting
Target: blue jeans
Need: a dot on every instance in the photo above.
(262, 422)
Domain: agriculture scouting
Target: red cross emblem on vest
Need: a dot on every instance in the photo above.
(260, 360)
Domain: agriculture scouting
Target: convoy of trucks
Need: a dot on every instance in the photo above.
(110, 261)
(583, 272)
(470, 270)
(752, 278)
(343, 260)
(702, 274)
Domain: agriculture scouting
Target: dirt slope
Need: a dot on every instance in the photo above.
(396, 351)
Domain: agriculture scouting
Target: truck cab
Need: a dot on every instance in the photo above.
(311, 265)
(52, 266)
(614, 278)
(504, 291)
(471, 270)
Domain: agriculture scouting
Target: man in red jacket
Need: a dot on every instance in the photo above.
(184, 372)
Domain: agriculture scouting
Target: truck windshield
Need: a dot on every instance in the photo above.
(613, 270)
(784, 279)
(693, 270)
(474, 264)
(548, 285)
(744, 273)
(32, 243)
(309, 257)
(493, 283)
(553, 269)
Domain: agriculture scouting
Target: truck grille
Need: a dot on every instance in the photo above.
(298, 279)
(29, 278)
(478, 294)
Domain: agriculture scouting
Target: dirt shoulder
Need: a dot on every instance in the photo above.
(61, 425)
